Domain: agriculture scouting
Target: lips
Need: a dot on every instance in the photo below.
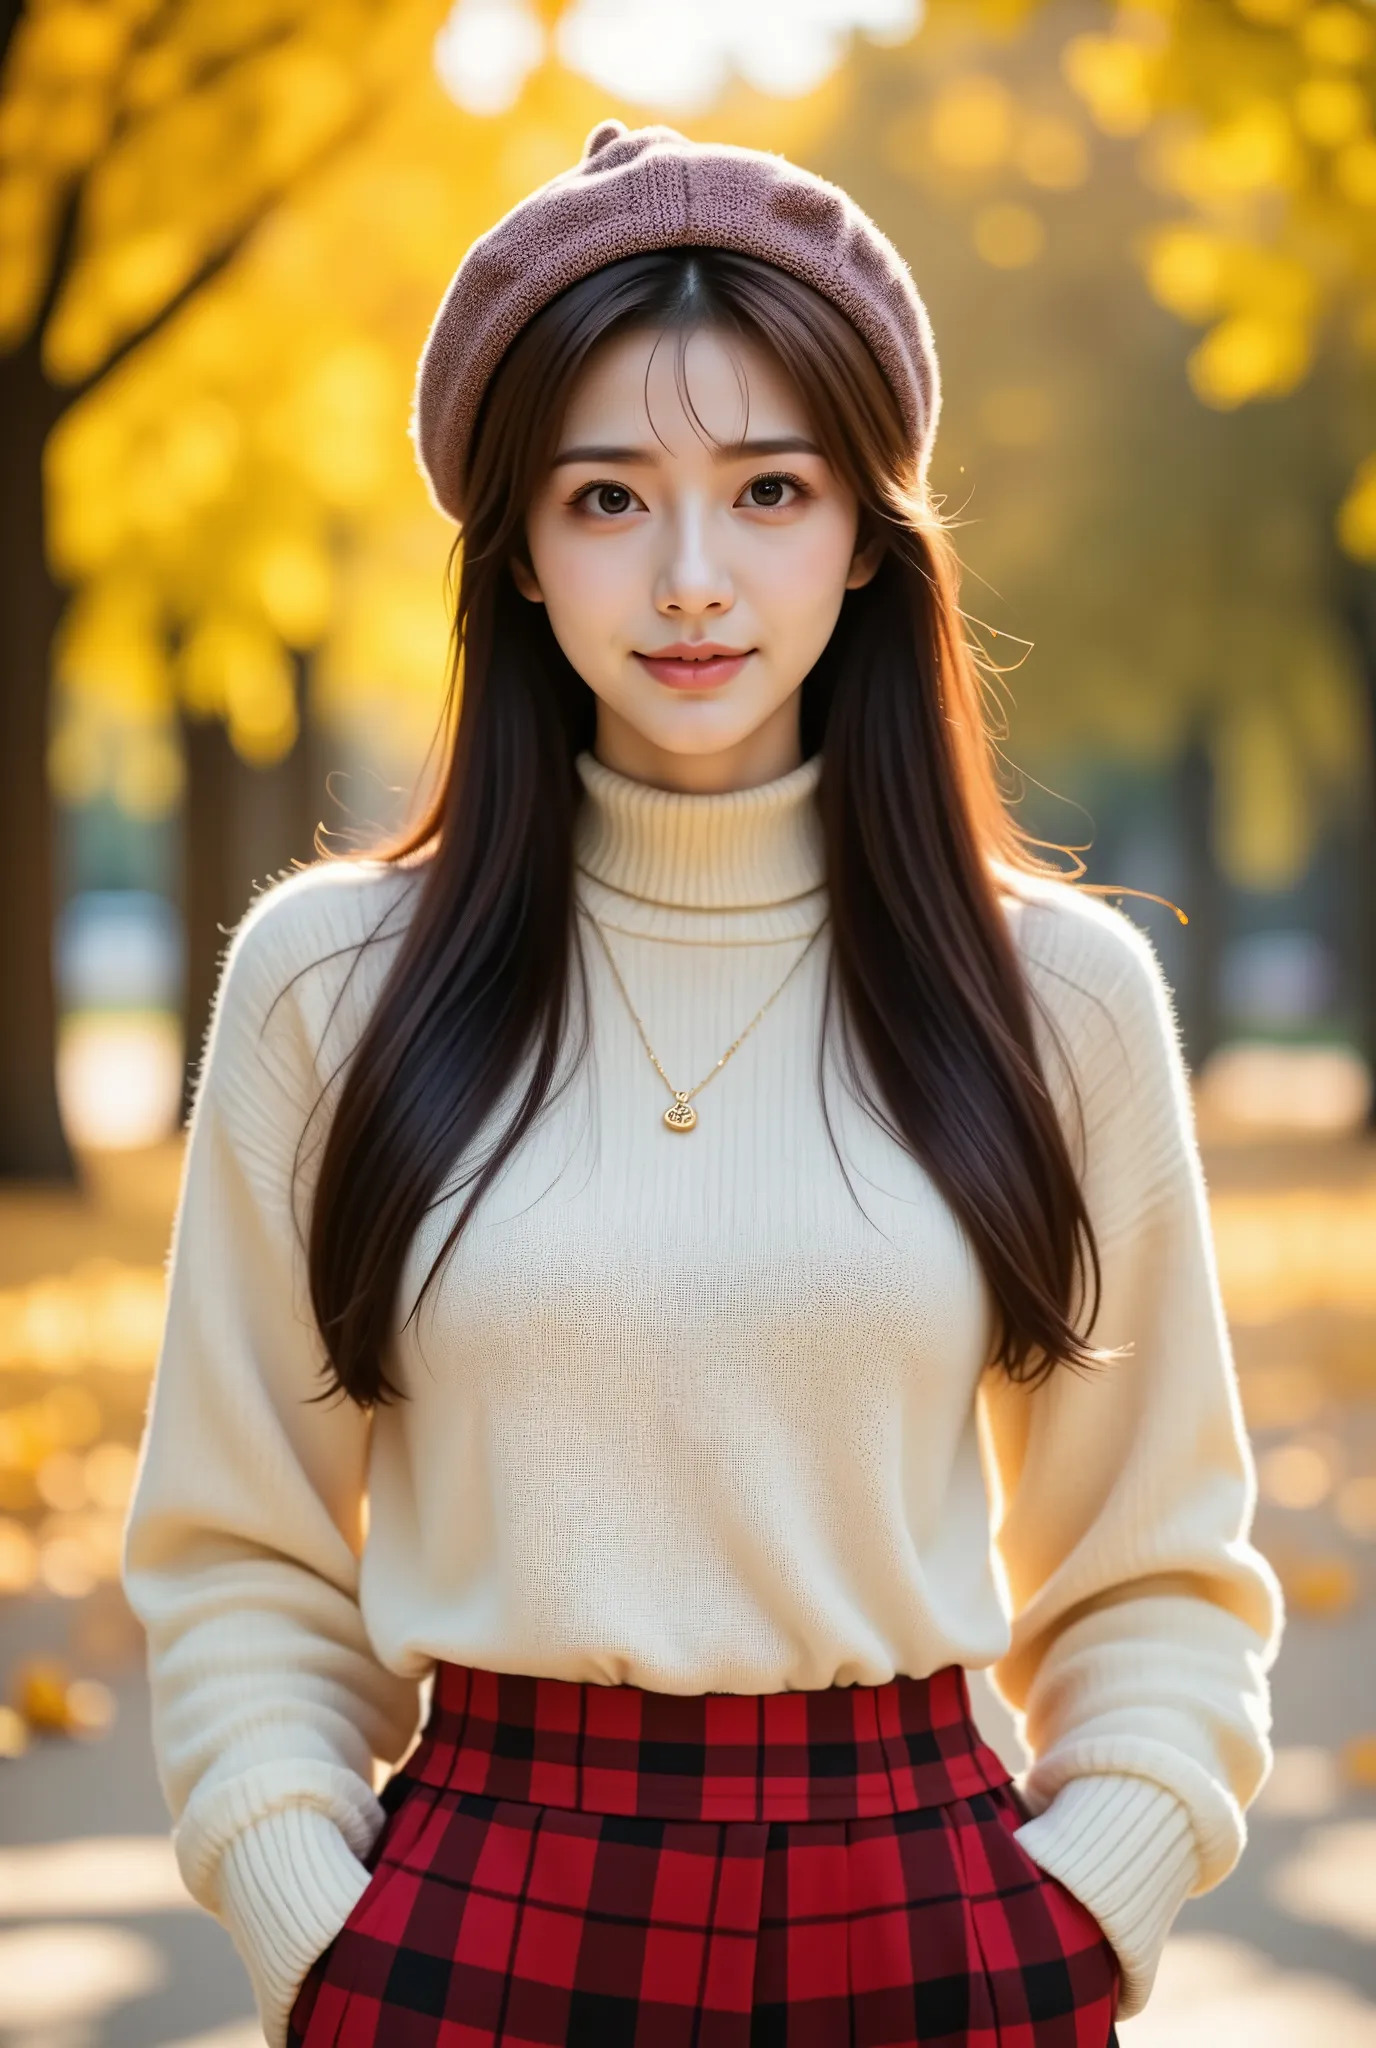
(700, 665)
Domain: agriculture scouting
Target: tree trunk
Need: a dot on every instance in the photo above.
(1357, 603)
(32, 1143)
(1203, 936)
(241, 827)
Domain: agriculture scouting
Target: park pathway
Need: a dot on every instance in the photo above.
(101, 1948)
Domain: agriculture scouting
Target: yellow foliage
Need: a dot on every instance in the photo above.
(146, 775)
(56, 116)
(1259, 114)
(1009, 236)
(24, 208)
(240, 485)
(1354, 172)
(1114, 78)
(1143, 720)
(1364, 327)
(1246, 357)
(1326, 709)
(235, 668)
(906, 142)
(381, 669)
(1254, 153)
(337, 423)
(197, 449)
(247, 467)
(1356, 518)
(74, 42)
(972, 122)
(1271, 13)
(125, 285)
(72, 132)
(1185, 269)
(110, 650)
(153, 75)
(113, 702)
(1270, 283)
(76, 760)
(1265, 823)
(1262, 346)
(219, 111)
(973, 128)
(292, 577)
(1337, 35)
(1051, 152)
(1331, 111)
(21, 279)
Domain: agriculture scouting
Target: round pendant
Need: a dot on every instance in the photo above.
(680, 1115)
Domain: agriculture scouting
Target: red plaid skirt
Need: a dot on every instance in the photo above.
(606, 1867)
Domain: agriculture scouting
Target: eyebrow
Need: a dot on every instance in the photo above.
(779, 444)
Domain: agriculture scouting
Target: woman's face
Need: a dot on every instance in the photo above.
(692, 572)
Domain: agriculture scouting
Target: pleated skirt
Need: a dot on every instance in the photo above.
(606, 1867)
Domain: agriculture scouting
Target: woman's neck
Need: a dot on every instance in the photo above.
(773, 749)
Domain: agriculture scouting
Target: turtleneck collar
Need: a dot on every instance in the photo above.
(745, 849)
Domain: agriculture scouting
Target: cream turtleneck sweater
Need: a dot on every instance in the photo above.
(682, 1414)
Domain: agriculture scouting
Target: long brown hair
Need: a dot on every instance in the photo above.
(934, 1008)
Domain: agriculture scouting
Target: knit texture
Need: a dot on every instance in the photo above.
(651, 188)
(683, 1411)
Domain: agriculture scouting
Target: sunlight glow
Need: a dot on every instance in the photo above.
(55, 1974)
(1212, 1989)
(119, 1077)
(116, 1874)
(656, 53)
(1304, 1784)
(238, 2034)
(1332, 1879)
(660, 54)
(486, 51)
(1316, 1089)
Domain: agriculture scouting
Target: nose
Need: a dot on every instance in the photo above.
(694, 580)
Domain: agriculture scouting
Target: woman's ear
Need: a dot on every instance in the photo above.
(864, 563)
(523, 576)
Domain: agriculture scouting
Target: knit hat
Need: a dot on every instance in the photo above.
(651, 188)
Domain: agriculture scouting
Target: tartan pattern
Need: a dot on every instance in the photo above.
(495, 1920)
(835, 1753)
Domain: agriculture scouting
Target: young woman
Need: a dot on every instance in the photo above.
(693, 1248)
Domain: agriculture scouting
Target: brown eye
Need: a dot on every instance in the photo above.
(612, 498)
(767, 491)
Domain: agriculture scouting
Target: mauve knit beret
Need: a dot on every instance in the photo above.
(651, 188)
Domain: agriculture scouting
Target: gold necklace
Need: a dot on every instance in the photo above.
(681, 1115)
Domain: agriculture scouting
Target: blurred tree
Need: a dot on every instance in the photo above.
(224, 228)
(139, 145)
(1256, 118)
(185, 190)
(1171, 553)
(31, 1137)
(1356, 600)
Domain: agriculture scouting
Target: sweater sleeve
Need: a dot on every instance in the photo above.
(245, 1532)
(1143, 1620)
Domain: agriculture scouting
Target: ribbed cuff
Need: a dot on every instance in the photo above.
(1125, 1848)
(287, 1885)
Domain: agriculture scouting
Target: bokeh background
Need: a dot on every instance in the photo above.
(1147, 238)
